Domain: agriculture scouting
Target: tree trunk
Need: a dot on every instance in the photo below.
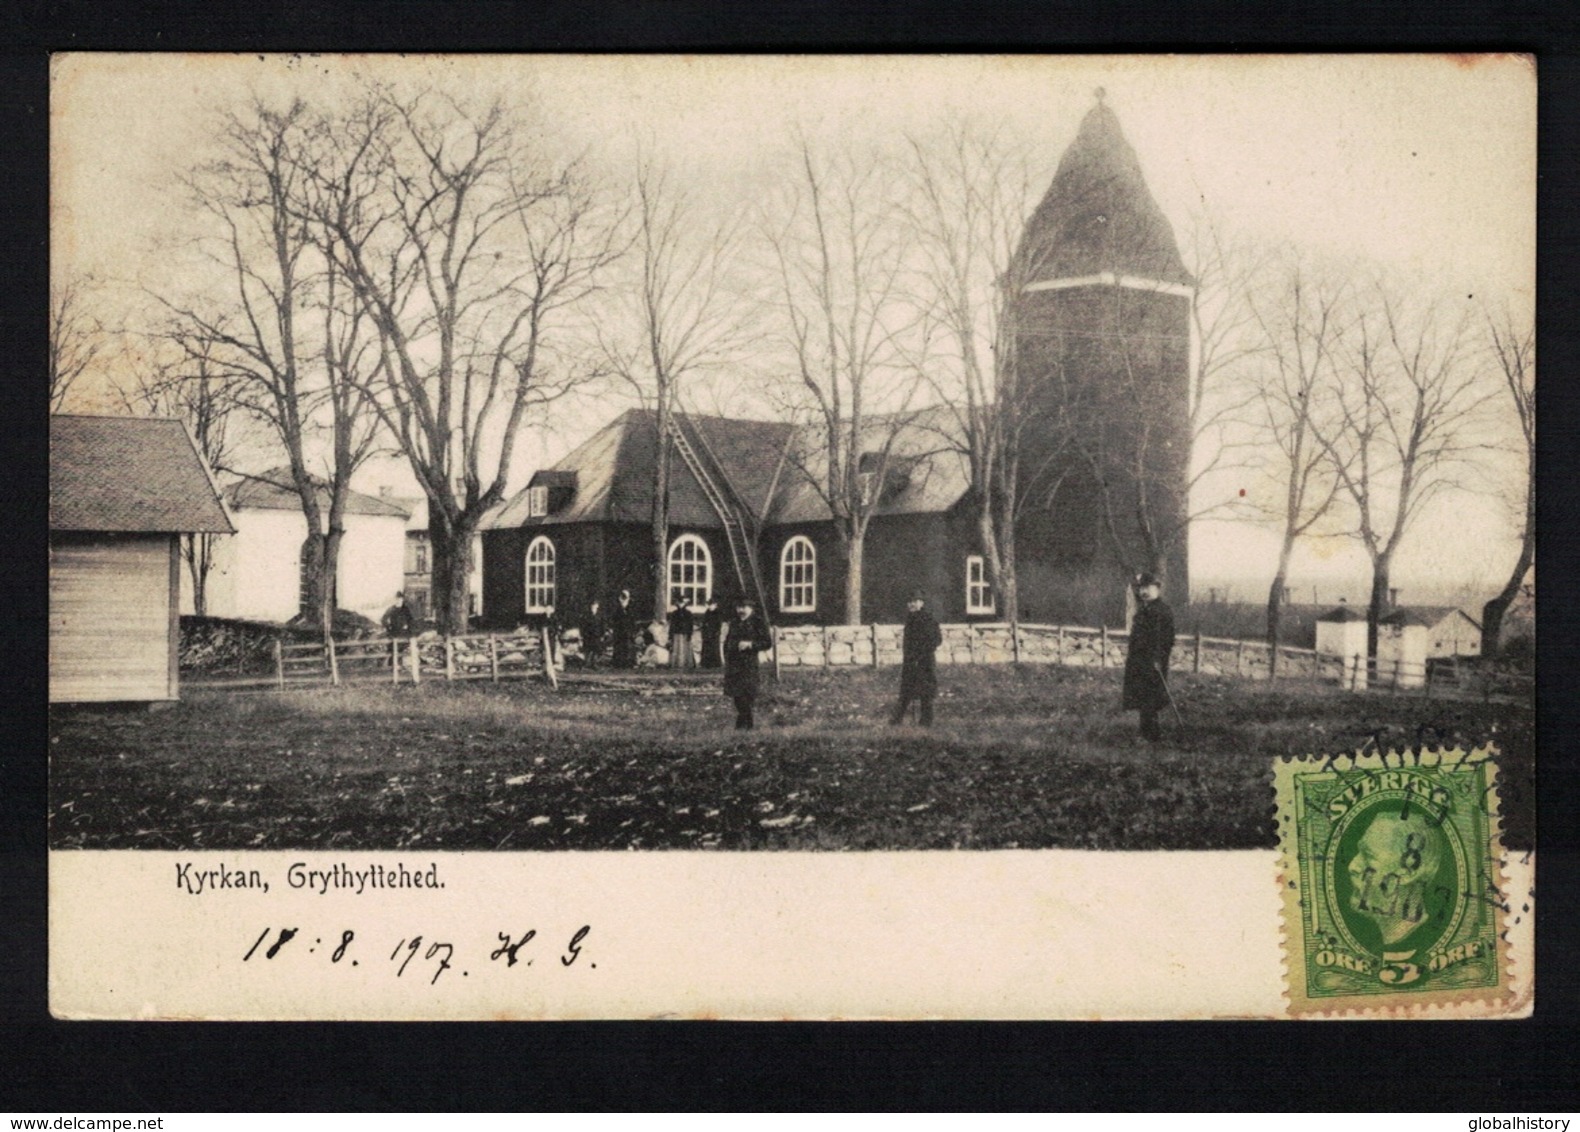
(853, 555)
(318, 602)
(452, 569)
(1275, 604)
(196, 549)
(331, 569)
(1493, 612)
(1375, 608)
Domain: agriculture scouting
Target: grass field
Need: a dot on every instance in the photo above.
(1020, 758)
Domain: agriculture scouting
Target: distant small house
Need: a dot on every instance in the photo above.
(121, 493)
(1341, 632)
(1450, 631)
(258, 574)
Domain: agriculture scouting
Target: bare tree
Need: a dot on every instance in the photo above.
(1514, 346)
(298, 384)
(76, 338)
(1302, 321)
(195, 388)
(838, 258)
(673, 317)
(971, 193)
(1403, 413)
(465, 242)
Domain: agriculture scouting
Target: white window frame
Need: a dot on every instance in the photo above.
(537, 502)
(979, 588)
(699, 588)
(798, 577)
(539, 574)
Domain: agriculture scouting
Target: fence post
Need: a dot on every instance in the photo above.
(825, 646)
(872, 631)
(1396, 662)
(773, 635)
(279, 663)
(334, 663)
(1427, 682)
(548, 659)
(1014, 640)
(1196, 663)
(493, 656)
(449, 658)
(1102, 648)
(1239, 658)
(394, 660)
(1058, 647)
(971, 643)
(416, 661)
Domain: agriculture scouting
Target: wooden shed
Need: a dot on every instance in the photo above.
(121, 493)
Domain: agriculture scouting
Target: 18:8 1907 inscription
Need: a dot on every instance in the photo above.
(432, 955)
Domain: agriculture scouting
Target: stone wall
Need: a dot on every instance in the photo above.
(835, 646)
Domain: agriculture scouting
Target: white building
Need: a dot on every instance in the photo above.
(257, 572)
(1341, 632)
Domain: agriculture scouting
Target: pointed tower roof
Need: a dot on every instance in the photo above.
(1098, 215)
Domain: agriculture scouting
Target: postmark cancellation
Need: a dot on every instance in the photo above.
(1395, 897)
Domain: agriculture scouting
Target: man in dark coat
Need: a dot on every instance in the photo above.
(622, 624)
(594, 629)
(919, 662)
(1147, 662)
(745, 637)
(712, 624)
(397, 619)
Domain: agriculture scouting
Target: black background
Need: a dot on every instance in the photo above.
(50, 1066)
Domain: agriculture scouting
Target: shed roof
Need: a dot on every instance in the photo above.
(275, 490)
(1343, 613)
(129, 474)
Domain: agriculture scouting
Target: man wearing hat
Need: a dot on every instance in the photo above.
(918, 662)
(1147, 662)
(745, 636)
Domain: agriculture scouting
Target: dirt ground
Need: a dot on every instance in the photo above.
(1019, 758)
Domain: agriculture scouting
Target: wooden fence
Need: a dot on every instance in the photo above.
(411, 660)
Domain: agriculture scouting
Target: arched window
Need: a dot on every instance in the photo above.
(540, 574)
(690, 571)
(798, 576)
(979, 590)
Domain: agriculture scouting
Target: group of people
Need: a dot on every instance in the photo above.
(734, 643)
(669, 642)
(737, 643)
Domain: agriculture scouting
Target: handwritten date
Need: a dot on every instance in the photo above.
(432, 955)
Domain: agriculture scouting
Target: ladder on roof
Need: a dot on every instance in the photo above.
(725, 501)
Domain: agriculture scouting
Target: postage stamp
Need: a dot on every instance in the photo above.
(1392, 878)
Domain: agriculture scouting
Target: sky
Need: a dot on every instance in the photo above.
(1423, 164)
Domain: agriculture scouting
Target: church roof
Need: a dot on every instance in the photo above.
(1098, 215)
(928, 468)
(614, 471)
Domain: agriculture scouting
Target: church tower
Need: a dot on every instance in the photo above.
(1101, 366)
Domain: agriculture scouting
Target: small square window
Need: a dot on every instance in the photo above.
(979, 591)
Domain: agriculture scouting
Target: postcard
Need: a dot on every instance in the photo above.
(792, 537)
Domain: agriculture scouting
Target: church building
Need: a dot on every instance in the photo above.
(1101, 361)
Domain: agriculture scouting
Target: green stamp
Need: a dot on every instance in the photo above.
(1392, 877)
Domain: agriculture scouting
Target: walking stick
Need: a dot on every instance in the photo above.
(1158, 668)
